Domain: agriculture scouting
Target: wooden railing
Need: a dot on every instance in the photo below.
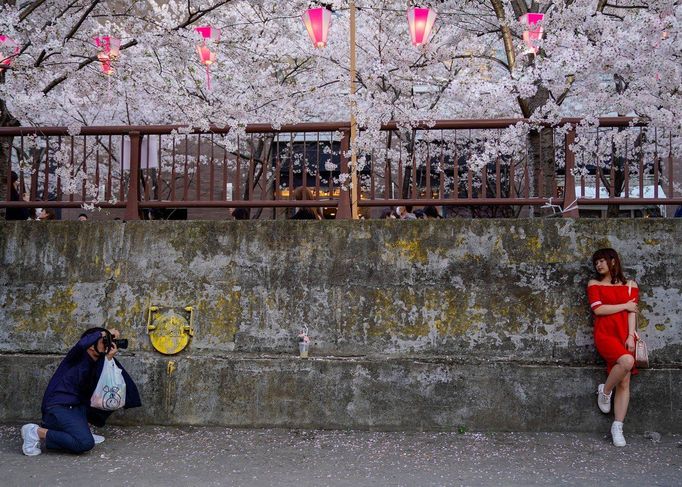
(466, 164)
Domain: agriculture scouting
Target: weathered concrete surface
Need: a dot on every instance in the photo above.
(209, 456)
(508, 294)
(388, 394)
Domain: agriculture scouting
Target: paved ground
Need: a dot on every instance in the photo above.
(168, 456)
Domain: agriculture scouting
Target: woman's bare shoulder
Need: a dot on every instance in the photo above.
(593, 282)
(632, 283)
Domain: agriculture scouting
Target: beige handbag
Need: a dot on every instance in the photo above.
(641, 353)
(641, 350)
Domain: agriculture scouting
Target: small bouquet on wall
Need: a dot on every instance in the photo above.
(303, 343)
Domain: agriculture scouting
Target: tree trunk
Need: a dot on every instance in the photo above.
(6, 120)
(613, 211)
(406, 190)
(542, 163)
(267, 184)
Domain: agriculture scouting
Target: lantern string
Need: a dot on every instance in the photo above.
(208, 77)
(402, 11)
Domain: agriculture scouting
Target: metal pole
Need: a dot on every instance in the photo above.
(133, 201)
(344, 211)
(570, 200)
(355, 191)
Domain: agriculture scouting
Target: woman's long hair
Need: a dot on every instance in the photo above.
(14, 194)
(613, 261)
(303, 193)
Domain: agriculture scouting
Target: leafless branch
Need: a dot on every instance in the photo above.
(75, 28)
(57, 81)
(30, 9)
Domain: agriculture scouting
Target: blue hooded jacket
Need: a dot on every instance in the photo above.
(75, 380)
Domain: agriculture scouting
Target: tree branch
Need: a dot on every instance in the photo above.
(30, 9)
(483, 56)
(194, 16)
(519, 7)
(506, 34)
(75, 28)
(610, 5)
(57, 81)
(570, 80)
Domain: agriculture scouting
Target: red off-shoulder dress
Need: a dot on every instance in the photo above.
(611, 331)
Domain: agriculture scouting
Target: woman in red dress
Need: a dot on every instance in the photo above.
(614, 300)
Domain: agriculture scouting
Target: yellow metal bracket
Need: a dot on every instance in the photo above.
(170, 329)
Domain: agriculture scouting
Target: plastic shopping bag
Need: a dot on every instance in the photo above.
(110, 393)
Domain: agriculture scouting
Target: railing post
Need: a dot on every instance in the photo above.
(344, 212)
(570, 200)
(133, 201)
(6, 172)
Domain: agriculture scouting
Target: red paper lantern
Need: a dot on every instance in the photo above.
(8, 49)
(105, 63)
(420, 21)
(109, 52)
(206, 56)
(317, 22)
(533, 34)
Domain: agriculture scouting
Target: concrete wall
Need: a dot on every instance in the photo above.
(415, 325)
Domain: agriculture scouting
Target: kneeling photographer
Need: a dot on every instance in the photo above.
(86, 388)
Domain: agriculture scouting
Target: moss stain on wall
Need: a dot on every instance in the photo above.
(456, 318)
(220, 317)
(411, 250)
(45, 312)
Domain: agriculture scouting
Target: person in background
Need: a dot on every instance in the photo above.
(431, 212)
(420, 215)
(302, 193)
(388, 214)
(241, 214)
(15, 195)
(47, 214)
(83, 217)
(405, 213)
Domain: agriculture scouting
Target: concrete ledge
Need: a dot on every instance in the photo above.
(385, 394)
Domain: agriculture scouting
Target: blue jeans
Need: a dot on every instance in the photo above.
(67, 429)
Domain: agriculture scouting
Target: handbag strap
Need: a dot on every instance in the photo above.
(636, 314)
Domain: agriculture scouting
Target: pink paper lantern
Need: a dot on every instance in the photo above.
(533, 33)
(206, 56)
(420, 21)
(105, 64)
(109, 52)
(209, 33)
(8, 49)
(317, 22)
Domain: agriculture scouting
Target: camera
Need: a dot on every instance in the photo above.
(121, 343)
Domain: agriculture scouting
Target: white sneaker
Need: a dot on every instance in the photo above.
(603, 400)
(617, 434)
(31, 446)
(98, 438)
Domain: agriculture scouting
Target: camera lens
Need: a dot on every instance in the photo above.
(121, 343)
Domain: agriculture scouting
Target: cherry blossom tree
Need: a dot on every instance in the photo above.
(596, 58)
